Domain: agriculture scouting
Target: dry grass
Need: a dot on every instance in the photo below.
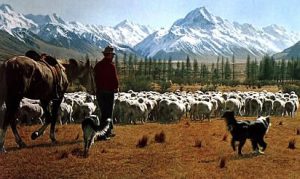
(196, 87)
(177, 157)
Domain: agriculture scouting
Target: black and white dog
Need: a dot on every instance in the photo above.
(91, 129)
(242, 130)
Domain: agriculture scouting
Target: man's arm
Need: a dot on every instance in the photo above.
(115, 78)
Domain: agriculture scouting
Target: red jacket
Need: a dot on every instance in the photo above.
(106, 76)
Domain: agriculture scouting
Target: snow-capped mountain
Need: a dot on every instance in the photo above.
(125, 33)
(9, 20)
(45, 19)
(55, 30)
(200, 33)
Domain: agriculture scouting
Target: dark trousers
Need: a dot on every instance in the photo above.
(105, 101)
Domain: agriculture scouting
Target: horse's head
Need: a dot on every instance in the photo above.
(79, 72)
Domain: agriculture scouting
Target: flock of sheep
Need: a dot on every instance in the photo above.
(139, 107)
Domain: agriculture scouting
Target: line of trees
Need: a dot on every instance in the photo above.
(138, 74)
(269, 69)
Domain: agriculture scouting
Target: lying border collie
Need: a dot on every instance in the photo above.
(242, 130)
(91, 129)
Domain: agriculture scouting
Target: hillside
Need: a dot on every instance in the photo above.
(10, 46)
(293, 51)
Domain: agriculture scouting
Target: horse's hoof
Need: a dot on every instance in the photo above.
(54, 142)
(22, 145)
(34, 135)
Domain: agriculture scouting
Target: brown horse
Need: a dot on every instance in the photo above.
(24, 77)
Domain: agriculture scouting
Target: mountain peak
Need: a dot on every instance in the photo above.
(125, 23)
(275, 27)
(198, 17)
(54, 18)
(6, 8)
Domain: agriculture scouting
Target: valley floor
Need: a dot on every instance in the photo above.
(177, 157)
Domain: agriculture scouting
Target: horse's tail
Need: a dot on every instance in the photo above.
(3, 84)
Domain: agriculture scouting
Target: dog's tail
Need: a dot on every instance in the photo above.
(92, 130)
(99, 129)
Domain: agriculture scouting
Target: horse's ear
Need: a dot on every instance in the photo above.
(87, 63)
(73, 63)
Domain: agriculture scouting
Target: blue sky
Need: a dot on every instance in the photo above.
(162, 13)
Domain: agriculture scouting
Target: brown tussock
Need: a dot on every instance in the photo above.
(225, 137)
(77, 137)
(222, 162)
(198, 143)
(160, 137)
(63, 155)
(292, 144)
(143, 142)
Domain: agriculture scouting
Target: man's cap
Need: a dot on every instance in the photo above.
(109, 49)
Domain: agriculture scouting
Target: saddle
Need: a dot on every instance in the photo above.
(55, 68)
(53, 65)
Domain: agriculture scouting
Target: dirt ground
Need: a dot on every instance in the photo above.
(191, 150)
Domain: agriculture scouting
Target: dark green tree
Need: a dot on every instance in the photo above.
(195, 69)
(233, 67)
(248, 68)
(170, 68)
(227, 70)
(222, 68)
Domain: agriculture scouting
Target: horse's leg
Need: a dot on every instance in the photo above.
(47, 114)
(11, 115)
(55, 107)
(3, 127)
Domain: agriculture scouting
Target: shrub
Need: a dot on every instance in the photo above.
(291, 87)
(138, 84)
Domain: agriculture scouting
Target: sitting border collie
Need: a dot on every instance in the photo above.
(91, 129)
(242, 130)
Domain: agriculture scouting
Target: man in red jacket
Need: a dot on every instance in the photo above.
(106, 80)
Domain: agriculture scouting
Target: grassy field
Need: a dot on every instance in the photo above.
(190, 150)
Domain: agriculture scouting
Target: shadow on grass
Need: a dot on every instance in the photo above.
(46, 145)
(232, 157)
(244, 156)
